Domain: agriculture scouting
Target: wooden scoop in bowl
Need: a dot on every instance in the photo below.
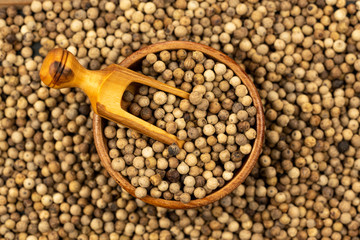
(248, 164)
(105, 89)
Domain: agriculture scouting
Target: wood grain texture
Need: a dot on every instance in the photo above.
(105, 89)
(248, 164)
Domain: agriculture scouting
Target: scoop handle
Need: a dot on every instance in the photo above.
(105, 88)
(60, 69)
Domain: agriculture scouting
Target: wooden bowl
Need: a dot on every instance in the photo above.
(248, 163)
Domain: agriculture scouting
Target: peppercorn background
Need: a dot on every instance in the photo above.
(304, 59)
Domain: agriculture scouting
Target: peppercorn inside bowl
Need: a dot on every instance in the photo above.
(250, 151)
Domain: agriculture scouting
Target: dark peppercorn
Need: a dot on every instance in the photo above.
(54, 222)
(11, 38)
(146, 113)
(337, 84)
(328, 192)
(206, 230)
(275, 214)
(173, 216)
(161, 172)
(280, 187)
(236, 156)
(135, 109)
(221, 181)
(261, 200)
(199, 181)
(243, 126)
(249, 211)
(173, 175)
(343, 146)
(173, 150)
(151, 210)
(84, 109)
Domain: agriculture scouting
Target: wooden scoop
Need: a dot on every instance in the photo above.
(105, 89)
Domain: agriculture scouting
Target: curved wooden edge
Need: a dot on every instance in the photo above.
(243, 171)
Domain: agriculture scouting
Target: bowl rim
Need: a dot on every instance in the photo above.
(247, 165)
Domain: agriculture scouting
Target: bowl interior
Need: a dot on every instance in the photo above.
(133, 62)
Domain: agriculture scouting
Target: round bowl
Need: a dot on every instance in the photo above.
(248, 163)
